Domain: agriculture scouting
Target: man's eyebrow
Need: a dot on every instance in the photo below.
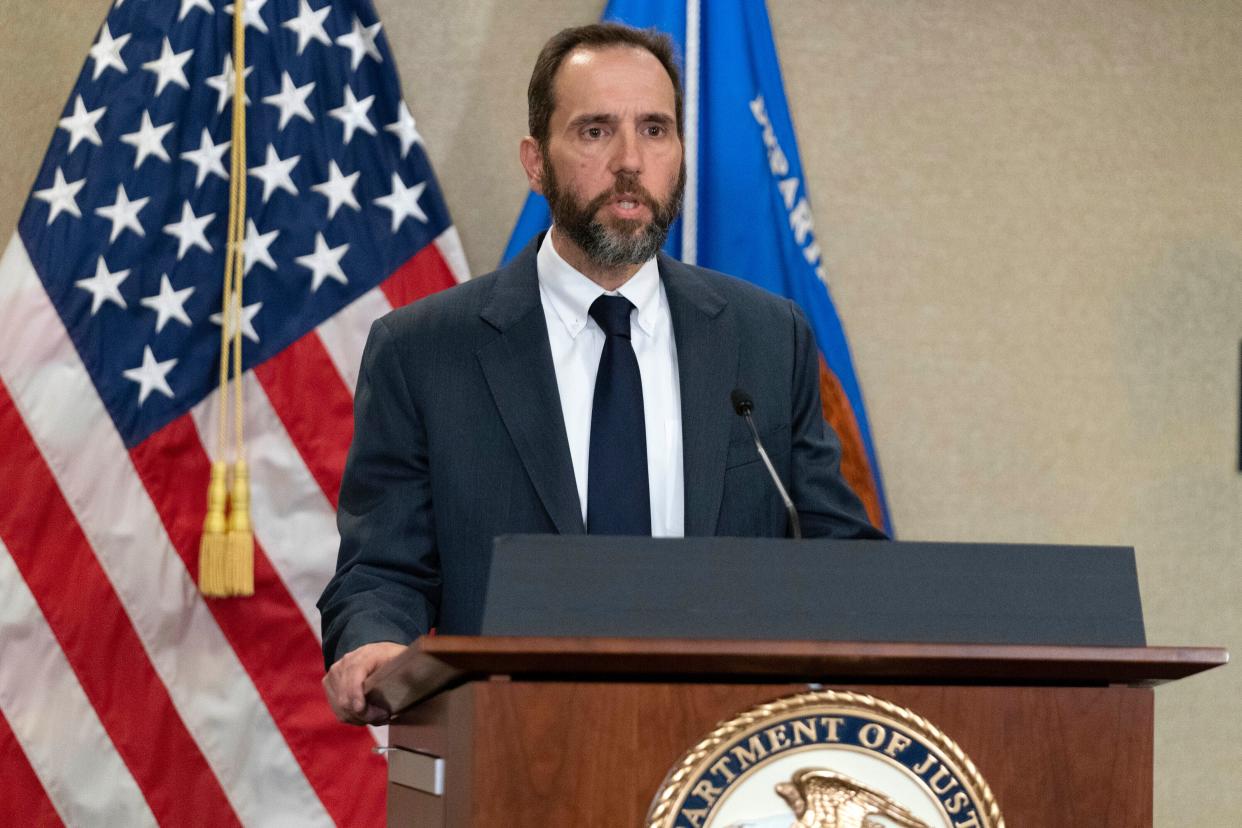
(592, 118)
(608, 118)
(657, 118)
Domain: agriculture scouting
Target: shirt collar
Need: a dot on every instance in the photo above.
(570, 293)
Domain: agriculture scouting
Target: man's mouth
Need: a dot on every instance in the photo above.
(627, 204)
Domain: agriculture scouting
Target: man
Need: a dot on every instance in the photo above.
(584, 387)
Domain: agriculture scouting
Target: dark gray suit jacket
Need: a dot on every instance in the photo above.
(459, 437)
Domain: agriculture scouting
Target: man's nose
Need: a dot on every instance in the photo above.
(627, 153)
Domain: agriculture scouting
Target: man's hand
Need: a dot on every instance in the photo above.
(343, 683)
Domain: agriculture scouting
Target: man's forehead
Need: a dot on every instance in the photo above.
(586, 54)
(620, 73)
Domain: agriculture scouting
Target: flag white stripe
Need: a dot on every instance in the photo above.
(84, 777)
(449, 245)
(207, 684)
(293, 520)
(344, 334)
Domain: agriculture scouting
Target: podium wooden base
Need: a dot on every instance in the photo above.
(554, 732)
(579, 754)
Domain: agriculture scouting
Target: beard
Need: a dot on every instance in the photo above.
(619, 241)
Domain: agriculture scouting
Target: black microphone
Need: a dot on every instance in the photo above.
(742, 406)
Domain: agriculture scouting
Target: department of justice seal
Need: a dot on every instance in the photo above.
(825, 759)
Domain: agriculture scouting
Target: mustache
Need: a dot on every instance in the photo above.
(627, 184)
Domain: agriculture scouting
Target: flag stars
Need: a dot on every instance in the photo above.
(104, 286)
(168, 304)
(81, 124)
(275, 173)
(208, 158)
(353, 114)
(223, 83)
(148, 140)
(360, 41)
(169, 67)
(107, 53)
(251, 14)
(247, 315)
(338, 189)
(404, 129)
(291, 100)
(308, 25)
(324, 263)
(188, 6)
(255, 249)
(403, 201)
(190, 231)
(123, 213)
(61, 196)
(151, 375)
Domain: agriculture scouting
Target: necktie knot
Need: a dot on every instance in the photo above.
(612, 314)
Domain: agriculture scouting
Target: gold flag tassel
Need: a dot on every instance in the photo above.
(226, 552)
(212, 546)
(239, 558)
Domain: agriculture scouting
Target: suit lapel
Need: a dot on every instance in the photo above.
(519, 372)
(707, 359)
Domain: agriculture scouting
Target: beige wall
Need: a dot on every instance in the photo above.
(1032, 217)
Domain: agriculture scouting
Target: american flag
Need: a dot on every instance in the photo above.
(126, 698)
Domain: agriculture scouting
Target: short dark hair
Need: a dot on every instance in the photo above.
(540, 100)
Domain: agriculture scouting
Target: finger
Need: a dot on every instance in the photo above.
(375, 715)
(347, 714)
(339, 710)
(344, 690)
(350, 691)
(350, 719)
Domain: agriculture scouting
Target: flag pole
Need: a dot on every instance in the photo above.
(690, 209)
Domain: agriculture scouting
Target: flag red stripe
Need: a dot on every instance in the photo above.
(423, 274)
(270, 636)
(25, 801)
(316, 408)
(308, 394)
(87, 618)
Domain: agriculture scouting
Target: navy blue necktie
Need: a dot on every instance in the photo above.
(618, 499)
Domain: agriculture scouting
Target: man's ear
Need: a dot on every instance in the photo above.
(532, 163)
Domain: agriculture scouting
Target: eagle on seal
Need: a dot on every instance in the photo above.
(824, 799)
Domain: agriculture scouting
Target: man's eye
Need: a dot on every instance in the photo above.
(593, 132)
(655, 131)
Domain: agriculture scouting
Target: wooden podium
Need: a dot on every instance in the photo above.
(522, 731)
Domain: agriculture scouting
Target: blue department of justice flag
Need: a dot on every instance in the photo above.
(128, 698)
(747, 210)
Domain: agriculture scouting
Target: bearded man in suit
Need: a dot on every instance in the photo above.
(585, 387)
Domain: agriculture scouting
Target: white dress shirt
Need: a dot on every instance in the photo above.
(577, 343)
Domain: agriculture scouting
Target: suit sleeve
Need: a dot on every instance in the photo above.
(387, 581)
(827, 506)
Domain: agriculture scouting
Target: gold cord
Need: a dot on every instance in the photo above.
(226, 552)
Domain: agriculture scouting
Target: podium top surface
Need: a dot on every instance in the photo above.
(435, 663)
(767, 589)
